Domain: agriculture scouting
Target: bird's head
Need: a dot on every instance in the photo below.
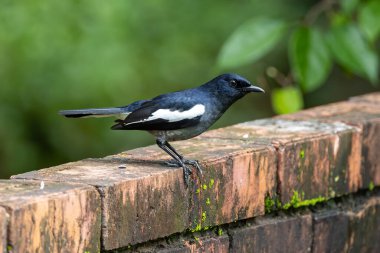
(233, 85)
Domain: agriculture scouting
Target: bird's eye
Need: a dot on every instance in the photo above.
(233, 83)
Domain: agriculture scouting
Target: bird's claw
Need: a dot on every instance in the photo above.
(173, 163)
(195, 164)
(186, 175)
(186, 170)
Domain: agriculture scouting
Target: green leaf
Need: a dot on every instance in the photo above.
(250, 41)
(369, 19)
(352, 52)
(309, 58)
(348, 6)
(287, 100)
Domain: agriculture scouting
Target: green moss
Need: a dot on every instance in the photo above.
(211, 183)
(208, 202)
(220, 231)
(302, 154)
(272, 203)
(269, 204)
(371, 186)
(204, 216)
(197, 228)
(9, 248)
(298, 200)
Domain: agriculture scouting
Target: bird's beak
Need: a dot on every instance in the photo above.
(253, 88)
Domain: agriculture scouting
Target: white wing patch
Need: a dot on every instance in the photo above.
(174, 116)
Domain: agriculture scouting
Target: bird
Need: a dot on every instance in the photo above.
(177, 115)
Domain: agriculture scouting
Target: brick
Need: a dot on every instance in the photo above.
(57, 218)
(139, 203)
(362, 112)
(218, 244)
(368, 98)
(148, 200)
(281, 234)
(354, 226)
(3, 230)
(331, 231)
(314, 159)
(365, 226)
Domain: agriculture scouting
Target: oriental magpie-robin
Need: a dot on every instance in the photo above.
(178, 115)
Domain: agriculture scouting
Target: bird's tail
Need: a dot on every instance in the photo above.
(118, 112)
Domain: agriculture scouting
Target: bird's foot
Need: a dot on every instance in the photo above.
(186, 174)
(187, 171)
(173, 163)
(195, 164)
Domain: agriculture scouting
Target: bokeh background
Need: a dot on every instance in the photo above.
(77, 54)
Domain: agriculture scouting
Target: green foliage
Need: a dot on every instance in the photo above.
(328, 31)
(353, 52)
(369, 19)
(250, 41)
(348, 6)
(287, 100)
(309, 57)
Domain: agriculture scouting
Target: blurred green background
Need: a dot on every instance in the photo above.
(77, 54)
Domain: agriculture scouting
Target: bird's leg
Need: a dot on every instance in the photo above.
(185, 161)
(163, 144)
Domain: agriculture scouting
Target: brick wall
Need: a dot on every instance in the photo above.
(304, 182)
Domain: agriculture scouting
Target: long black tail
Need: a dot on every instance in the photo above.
(119, 112)
(95, 112)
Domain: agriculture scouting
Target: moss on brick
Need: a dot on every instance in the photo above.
(371, 186)
(298, 201)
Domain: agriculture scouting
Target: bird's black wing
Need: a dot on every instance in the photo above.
(163, 113)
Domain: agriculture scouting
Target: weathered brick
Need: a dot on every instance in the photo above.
(368, 98)
(362, 112)
(365, 226)
(147, 200)
(354, 226)
(281, 234)
(218, 244)
(57, 218)
(314, 159)
(141, 202)
(3, 230)
(331, 231)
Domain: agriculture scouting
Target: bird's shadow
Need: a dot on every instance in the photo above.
(124, 162)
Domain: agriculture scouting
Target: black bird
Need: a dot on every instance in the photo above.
(178, 115)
